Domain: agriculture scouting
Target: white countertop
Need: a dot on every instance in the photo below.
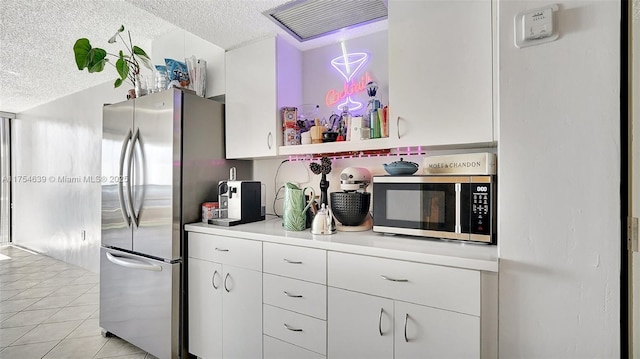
(448, 253)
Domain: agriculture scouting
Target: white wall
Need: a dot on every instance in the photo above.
(54, 140)
(559, 165)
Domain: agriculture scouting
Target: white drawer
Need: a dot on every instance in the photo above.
(277, 349)
(226, 250)
(437, 286)
(297, 329)
(295, 295)
(308, 264)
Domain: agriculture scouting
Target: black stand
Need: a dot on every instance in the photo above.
(324, 186)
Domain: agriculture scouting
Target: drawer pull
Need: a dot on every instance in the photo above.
(380, 321)
(213, 280)
(292, 262)
(292, 295)
(221, 249)
(394, 279)
(225, 282)
(406, 319)
(292, 328)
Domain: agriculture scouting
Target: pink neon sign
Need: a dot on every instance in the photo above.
(333, 96)
(348, 65)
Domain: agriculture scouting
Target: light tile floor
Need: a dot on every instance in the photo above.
(49, 309)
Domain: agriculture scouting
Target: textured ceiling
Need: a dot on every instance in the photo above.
(37, 37)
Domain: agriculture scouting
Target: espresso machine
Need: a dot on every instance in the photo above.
(351, 206)
(239, 202)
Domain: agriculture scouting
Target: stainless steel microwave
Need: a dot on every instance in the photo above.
(449, 207)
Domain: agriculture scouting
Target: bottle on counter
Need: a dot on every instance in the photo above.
(373, 110)
(345, 124)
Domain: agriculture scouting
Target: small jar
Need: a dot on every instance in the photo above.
(209, 211)
(291, 135)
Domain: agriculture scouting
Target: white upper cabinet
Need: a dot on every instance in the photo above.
(440, 72)
(262, 77)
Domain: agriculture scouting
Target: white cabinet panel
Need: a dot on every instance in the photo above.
(308, 264)
(242, 313)
(277, 349)
(205, 309)
(442, 287)
(440, 72)
(424, 332)
(297, 329)
(225, 301)
(355, 323)
(226, 250)
(295, 295)
(262, 77)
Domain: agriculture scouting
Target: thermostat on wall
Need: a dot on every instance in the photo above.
(535, 26)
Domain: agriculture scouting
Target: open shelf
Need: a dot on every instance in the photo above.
(333, 147)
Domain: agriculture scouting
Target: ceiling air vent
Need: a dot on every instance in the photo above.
(310, 19)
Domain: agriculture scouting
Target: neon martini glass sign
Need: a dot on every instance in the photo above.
(348, 66)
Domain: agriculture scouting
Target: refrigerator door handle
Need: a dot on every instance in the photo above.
(123, 151)
(133, 263)
(135, 218)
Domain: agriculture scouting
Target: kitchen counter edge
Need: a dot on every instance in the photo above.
(452, 254)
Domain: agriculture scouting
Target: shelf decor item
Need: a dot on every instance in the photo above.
(127, 64)
(323, 168)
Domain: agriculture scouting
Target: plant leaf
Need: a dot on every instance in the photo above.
(98, 66)
(81, 50)
(97, 59)
(117, 83)
(140, 52)
(144, 58)
(114, 38)
(123, 68)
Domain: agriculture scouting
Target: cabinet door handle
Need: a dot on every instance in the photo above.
(292, 262)
(393, 279)
(398, 126)
(380, 321)
(213, 280)
(221, 249)
(406, 319)
(292, 295)
(269, 139)
(292, 328)
(225, 282)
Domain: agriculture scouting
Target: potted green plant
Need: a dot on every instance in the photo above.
(127, 65)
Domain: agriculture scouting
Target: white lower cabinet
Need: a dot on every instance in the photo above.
(205, 308)
(363, 326)
(425, 332)
(278, 349)
(298, 329)
(360, 326)
(295, 301)
(309, 303)
(225, 300)
(384, 308)
(242, 314)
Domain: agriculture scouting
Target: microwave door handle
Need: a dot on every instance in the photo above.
(458, 227)
(125, 211)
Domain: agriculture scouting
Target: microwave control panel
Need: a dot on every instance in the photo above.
(481, 195)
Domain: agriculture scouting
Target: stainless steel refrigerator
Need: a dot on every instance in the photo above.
(162, 156)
